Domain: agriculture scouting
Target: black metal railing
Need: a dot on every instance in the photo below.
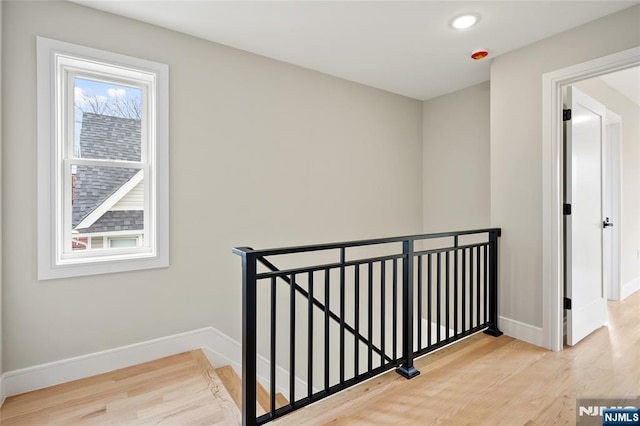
(326, 326)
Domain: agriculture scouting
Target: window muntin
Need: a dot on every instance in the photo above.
(102, 141)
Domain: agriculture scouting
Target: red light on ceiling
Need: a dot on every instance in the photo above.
(479, 54)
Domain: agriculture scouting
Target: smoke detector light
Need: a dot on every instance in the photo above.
(465, 21)
(479, 54)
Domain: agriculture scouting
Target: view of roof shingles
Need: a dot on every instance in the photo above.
(112, 138)
(124, 220)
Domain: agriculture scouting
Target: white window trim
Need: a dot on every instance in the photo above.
(50, 264)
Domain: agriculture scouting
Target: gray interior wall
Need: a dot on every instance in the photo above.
(455, 158)
(629, 172)
(516, 149)
(262, 153)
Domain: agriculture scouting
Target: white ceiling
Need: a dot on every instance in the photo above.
(405, 47)
(626, 82)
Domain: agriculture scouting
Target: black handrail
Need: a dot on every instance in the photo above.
(472, 287)
(358, 243)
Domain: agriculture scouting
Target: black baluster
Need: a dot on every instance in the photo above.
(310, 338)
(272, 360)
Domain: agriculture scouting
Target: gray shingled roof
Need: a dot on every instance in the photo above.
(124, 220)
(112, 138)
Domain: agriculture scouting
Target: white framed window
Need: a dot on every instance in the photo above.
(102, 161)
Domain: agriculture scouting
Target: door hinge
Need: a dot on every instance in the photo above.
(566, 209)
(566, 114)
(567, 303)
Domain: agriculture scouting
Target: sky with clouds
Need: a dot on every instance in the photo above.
(85, 89)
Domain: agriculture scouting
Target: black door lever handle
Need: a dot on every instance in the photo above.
(606, 223)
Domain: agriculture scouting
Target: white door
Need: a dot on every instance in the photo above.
(612, 194)
(584, 285)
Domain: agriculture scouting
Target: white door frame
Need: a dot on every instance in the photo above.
(552, 160)
(614, 123)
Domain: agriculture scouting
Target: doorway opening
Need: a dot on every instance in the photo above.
(553, 158)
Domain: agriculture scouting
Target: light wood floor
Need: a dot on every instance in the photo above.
(496, 381)
(482, 380)
(178, 390)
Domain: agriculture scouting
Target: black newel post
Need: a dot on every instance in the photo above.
(249, 349)
(407, 369)
(493, 284)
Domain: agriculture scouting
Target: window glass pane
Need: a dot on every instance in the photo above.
(97, 242)
(123, 242)
(107, 121)
(105, 200)
(80, 242)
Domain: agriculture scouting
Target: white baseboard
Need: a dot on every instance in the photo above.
(521, 331)
(53, 373)
(630, 288)
(229, 352)
(282, 380)
(219, 349)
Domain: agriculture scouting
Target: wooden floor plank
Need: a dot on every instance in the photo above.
(217, 388)
(281, 400)
(233, 383)
(182, 389)
(479, 381)
(496, 381)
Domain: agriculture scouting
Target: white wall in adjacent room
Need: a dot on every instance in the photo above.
(629, 172)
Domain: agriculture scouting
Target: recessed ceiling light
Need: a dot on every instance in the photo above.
(464, 21)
